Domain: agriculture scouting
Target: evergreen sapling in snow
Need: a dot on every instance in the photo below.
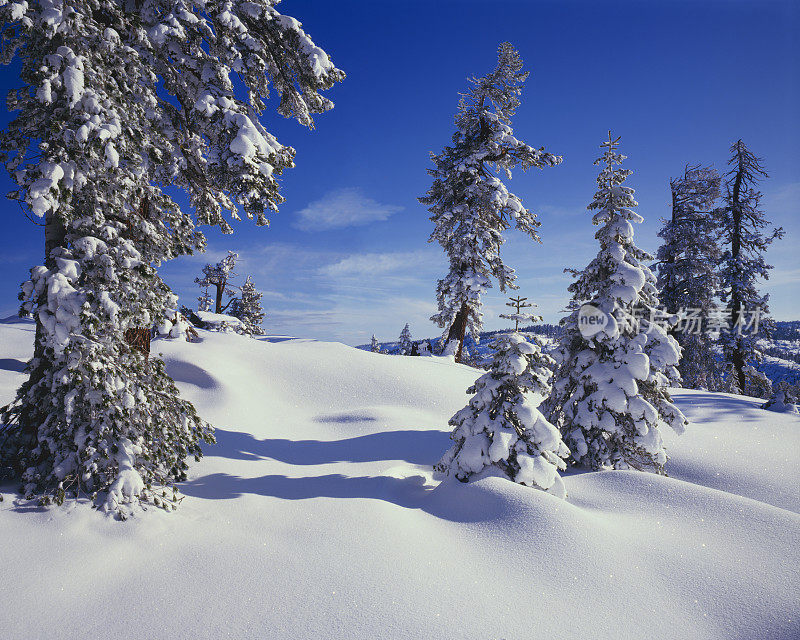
(204, 301)
(610, 398)
(404, 344)
(502, 428)
(518, 304)
(471, 206)
(247, 307)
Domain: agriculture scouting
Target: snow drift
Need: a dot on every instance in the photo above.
(316, 516)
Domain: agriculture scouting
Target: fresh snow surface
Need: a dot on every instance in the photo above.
(316, 516)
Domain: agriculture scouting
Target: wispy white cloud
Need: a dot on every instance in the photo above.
(341, 208)
(784, 276)
(370, 264)
(783, 200)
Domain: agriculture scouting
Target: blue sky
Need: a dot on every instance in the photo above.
(347, 255)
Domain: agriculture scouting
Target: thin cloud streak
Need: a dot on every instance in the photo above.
(347, 207)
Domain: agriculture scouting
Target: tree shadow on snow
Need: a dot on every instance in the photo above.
(12, 364)
(728, 407)
(416, 447)
(189, 373)
(344, 418)
(451, 500)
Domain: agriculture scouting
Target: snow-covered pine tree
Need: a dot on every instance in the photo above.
(373, 345)
(781, 400)
(687, 272)
(204, 301)
(219, 277)
(610, 397)
(471, 206)
(501, 426)
(741, 222)
(247, 308)
(116, 101)
(404, 343)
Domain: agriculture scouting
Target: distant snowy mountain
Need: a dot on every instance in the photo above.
(317, 515)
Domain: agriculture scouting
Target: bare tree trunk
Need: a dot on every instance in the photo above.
(218, 303)
(736, 301)
(459, 329)
(138, 338)
(673, 330)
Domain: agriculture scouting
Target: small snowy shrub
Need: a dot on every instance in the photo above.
(501, 426)
(781, 400)
(176, 327)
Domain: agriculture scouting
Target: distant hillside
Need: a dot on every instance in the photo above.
(782, 351)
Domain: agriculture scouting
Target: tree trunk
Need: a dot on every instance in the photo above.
(673, 330)
(218, 303)
(54, 237)
(138, 338)
(736, 300)
(459, 329)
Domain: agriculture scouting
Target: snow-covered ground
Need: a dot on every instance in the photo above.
(316, 516)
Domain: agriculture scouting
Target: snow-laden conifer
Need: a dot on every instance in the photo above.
(116, 101)
(687, 272)
(501, 426)
(610, 397)
(373, 345)
(404, 343)
(742, 224)
(781, 400)
(204, 300)
(247, 307)
(470, 205)
(218, 277)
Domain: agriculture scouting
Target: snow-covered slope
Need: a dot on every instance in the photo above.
(316, 516)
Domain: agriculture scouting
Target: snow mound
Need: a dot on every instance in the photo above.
(219, 321)
(317, 516)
